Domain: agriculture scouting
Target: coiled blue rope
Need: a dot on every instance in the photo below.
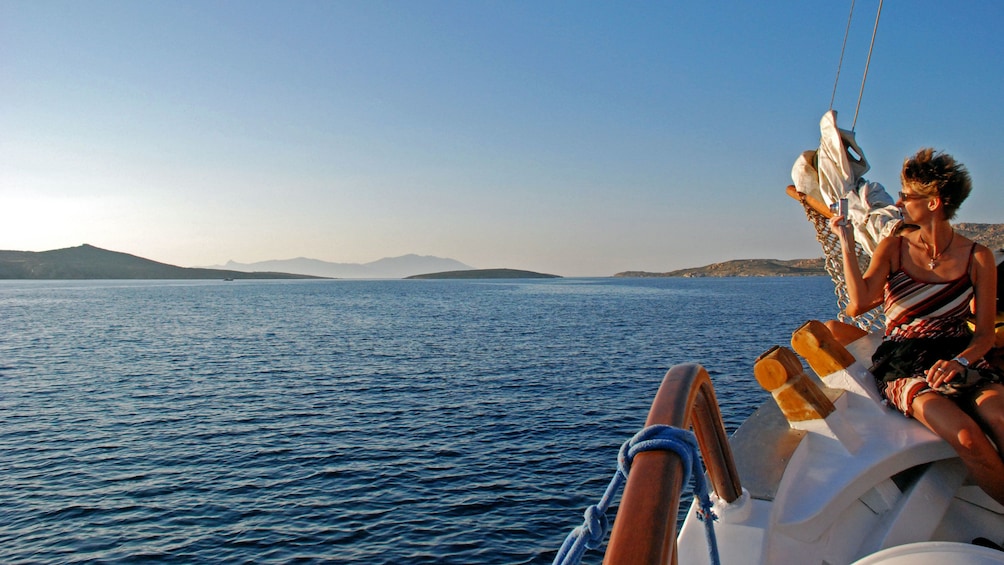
(593, 531)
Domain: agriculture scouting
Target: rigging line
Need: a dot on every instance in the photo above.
(868, 62)
(843, 48)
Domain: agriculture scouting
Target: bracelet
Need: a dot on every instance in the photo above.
(962, 361)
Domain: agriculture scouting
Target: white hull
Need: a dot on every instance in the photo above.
(861, 486)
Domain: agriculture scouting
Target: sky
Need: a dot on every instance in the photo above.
(579, 138)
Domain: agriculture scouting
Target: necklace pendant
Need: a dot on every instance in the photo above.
(932, 264)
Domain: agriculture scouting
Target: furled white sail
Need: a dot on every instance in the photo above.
(834, 171)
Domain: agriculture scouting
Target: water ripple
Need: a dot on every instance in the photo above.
(342, 421)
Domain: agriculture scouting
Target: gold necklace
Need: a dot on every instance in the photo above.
(935, 256)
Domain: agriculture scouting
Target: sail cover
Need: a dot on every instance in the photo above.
(835, 170)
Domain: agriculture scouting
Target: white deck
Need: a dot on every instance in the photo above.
(863, 480)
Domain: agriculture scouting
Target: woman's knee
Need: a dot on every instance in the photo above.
(844, 333)
(972, 444)
(970, 438)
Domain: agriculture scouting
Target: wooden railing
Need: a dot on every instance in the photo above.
(645, 527)
(814, 203)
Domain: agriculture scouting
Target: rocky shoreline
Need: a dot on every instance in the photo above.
(744, 268)
(990, 235)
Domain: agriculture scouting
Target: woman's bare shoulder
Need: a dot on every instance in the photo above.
(983, 255)
(888, 246)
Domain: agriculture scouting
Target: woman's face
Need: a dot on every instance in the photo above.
(912, 204)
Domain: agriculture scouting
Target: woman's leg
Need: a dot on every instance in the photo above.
(953, 425)
(996, 357)
(990, 411)
(844, 333)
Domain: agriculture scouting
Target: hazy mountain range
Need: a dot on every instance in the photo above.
(387, 268)
(89, 262)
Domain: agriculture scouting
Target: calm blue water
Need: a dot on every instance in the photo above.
(347, 421)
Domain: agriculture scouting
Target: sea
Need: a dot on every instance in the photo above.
(348, 421)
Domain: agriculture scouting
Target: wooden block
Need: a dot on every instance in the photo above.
(780, 372)
(773, 368)
(814, 342)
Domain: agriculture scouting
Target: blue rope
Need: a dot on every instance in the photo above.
(592, 532)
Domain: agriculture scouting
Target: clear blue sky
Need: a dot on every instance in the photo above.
(571, 137)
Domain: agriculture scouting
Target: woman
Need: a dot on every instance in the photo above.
(929, 279)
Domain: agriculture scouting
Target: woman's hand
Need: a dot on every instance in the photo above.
(943, 372)
(840, 226)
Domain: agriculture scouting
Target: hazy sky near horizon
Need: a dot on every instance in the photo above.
(580, 138)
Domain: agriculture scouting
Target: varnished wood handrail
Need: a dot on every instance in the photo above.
(811, 201)
(645, 527)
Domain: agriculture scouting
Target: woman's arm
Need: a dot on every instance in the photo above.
(985, 294)
(864, 291)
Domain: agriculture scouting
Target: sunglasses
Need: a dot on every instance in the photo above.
(904, 196)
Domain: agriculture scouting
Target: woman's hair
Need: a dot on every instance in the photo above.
(935, 173)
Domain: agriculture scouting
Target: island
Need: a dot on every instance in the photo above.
(745, 268)
(990, 235)
(87, 262)
(486, 274)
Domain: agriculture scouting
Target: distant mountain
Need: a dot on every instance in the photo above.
(89, 262)
(991, 235)
(745, 268)
(387, 268)
(486, 274)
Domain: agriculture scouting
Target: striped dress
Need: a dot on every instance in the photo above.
(919, 309)
(923, 310)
